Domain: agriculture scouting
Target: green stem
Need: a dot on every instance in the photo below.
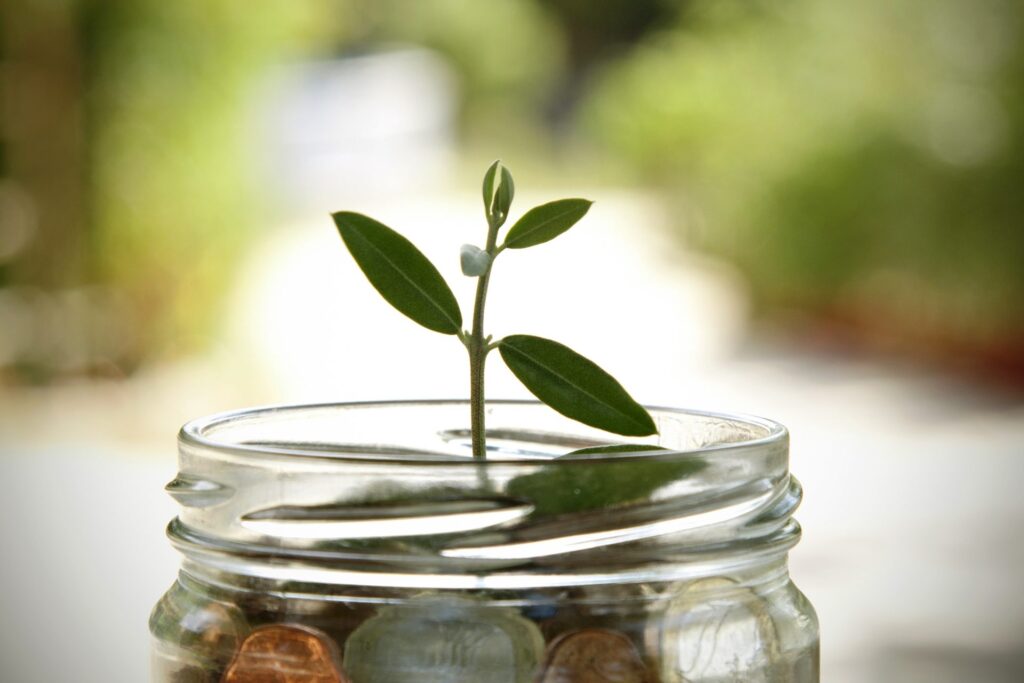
(478, 349)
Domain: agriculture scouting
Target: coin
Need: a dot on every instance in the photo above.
(197, 631)
(285, 653)
(434, 639)
(712, 628)
(593, 655)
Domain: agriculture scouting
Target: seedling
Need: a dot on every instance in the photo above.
(563, 379)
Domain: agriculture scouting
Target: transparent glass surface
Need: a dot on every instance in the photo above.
(363, 543)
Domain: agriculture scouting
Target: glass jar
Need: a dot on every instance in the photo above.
(363, 543)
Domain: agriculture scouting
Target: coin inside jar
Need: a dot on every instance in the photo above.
(285, 653)
(593, 656)
(435, 639)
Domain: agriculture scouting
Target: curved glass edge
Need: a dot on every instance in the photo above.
(197, 434)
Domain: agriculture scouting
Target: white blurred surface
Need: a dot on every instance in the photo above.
(84, 561)
(369, 124)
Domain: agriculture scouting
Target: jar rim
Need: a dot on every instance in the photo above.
(391, 491)
(200, 432)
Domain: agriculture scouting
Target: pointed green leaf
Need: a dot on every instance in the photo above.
(489, 187)
(506, 191)
(574, 385)
(546, 222)
(400, 272)
(498, 192)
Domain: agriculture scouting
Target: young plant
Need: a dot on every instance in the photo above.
(558, 376)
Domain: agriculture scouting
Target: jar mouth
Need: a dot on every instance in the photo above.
(390, 493)
(240, 432)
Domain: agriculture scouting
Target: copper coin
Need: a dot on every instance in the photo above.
(285, 653)
(593, 655)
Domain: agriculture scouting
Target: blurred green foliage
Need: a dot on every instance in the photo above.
(507, 55)
(860, 159)
(172, 169)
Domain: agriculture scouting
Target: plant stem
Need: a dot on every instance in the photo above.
(478, 349)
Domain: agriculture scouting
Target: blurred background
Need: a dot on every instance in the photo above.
(810, 210)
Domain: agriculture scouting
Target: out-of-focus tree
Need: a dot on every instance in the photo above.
(126, 183)
(41, 148)
(173, 148)
(129, 165)
(598, 32)
(507, 54)
(860, 161)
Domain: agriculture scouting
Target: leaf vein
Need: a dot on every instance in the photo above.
(415, 285)
(568, 381)
(543, 224)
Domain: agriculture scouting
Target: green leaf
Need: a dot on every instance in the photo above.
(546, 222)
(506, 191)
(561, 488)
(400, 272)
(574, 385)
(489, 188)
(498, 198)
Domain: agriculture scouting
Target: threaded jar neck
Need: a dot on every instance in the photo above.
(388, 495)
